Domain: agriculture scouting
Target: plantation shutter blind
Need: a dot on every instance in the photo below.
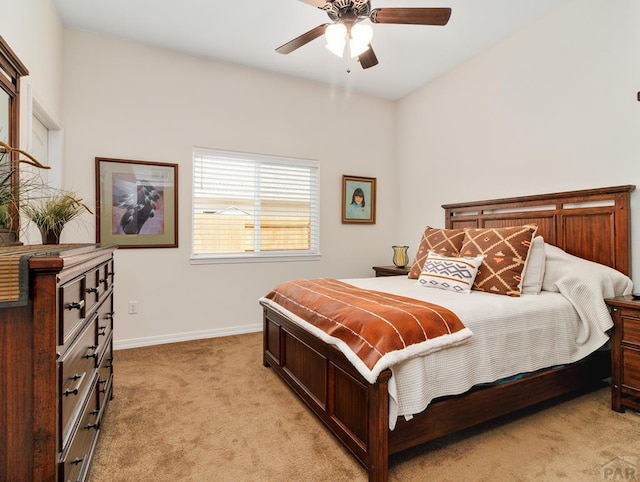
(248, 206)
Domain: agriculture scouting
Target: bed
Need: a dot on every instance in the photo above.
(591, 224)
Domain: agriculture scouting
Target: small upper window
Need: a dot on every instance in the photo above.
(249, 207)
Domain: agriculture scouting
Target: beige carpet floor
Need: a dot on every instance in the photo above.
(208, 410)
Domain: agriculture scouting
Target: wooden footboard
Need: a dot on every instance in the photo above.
(357, 412)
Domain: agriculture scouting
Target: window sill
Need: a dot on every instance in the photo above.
(261, 258)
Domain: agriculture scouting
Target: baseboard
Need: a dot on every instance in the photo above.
(178, 337)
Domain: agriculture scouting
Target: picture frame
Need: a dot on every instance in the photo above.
(358, 200)
(136, 203)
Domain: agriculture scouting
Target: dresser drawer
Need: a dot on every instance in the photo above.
(77, 369)
(104, 324)
(631, 369)
(106, 275)
(630, 329)
(72, 309)
(105, 374)
(92, 288)
(75, 461)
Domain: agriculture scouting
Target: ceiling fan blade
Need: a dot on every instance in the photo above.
(303, 39)
(415, 16)
(368, 58)
(315, 3)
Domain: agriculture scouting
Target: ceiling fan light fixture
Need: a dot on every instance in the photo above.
(336, 35)
(347, 17)
(361, 34)
(336, 47)
(356, 48)
(358, 35)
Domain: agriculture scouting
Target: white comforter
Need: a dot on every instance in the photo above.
(510, 335)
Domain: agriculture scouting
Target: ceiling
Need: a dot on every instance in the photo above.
(246, 32)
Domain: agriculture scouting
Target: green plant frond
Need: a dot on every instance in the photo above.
(52, 213)
(5, 216)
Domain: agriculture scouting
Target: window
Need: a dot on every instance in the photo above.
(249, 207)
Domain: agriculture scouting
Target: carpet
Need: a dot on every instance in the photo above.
(207, 410)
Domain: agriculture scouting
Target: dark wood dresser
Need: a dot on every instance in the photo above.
(56, 354)
(625, 353)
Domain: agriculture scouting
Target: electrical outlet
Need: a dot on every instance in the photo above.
(133, 307)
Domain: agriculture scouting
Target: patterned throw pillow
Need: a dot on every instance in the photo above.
(505, 252)
(446, 242)
(449, 273)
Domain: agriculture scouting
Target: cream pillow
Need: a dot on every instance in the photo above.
(534, 267)
(449, 273)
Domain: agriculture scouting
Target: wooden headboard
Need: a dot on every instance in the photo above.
(593, 224)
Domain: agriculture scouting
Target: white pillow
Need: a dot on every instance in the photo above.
(561, 265)
(534, 267)
(449, 273)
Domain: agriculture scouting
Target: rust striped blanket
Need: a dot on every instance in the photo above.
(373, 329)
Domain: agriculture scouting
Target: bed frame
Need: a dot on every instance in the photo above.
(593, 224)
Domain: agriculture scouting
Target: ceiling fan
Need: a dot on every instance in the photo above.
(348, 34)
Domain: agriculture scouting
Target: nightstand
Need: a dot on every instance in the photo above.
(390, 271)
(625, 353)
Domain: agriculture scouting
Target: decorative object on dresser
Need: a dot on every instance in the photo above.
(592, 224)
(51, 213)
(56, 353)
(400, 256)
(625, 353)
(390, 271)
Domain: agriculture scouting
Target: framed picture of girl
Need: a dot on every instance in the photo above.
(358, 200)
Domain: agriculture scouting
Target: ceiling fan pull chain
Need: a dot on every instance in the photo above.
(348, 58)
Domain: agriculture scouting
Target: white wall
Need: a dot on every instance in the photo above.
(553, 108)
(130, 101)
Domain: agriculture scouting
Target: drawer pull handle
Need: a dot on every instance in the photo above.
(92, 425)
(91, 355)
(75, 305)
(74, 390)
(77, 460)
(92, 290)
(102, 330)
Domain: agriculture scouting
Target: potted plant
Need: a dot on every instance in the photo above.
(7, 236)
(51, 213)
(12, 189)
